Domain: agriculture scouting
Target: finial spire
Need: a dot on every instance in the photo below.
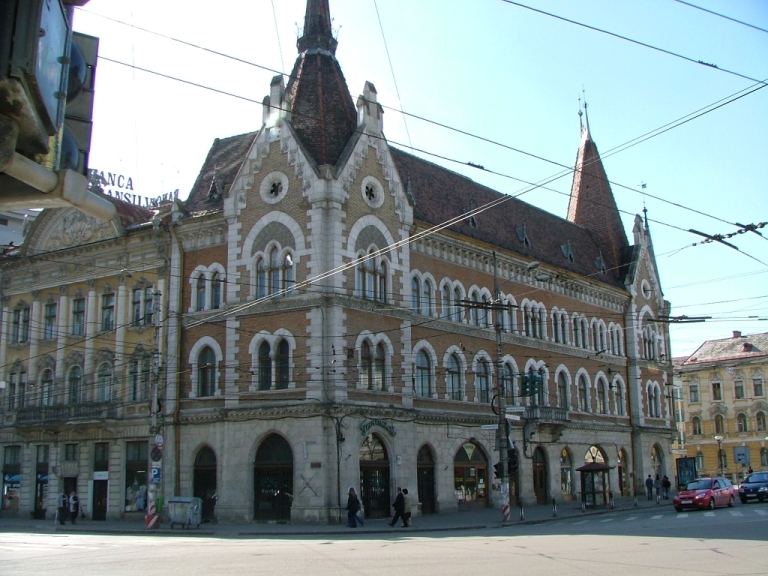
(581, 122)
(317, 28)
(586, 113)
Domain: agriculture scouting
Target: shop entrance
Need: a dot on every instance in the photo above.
(540, 477)
(374, 477)
(273, 480)
(425, 469)
(205, 482)
(622, 473)
(99, 506)
(470, 477)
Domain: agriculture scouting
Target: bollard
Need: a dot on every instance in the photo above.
(554, 508)
(610, 499)
(522, 511)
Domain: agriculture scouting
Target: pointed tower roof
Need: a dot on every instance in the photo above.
(593, 206)
(322, 110)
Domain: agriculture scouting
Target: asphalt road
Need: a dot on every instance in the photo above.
(726, 541)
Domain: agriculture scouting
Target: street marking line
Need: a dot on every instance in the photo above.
(709, 514)
(735, 513)
(631, 518)
(682, 515)
(582, 522)
(606, 520)
(657, 517)
(761, 512)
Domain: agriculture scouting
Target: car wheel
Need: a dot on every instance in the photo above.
(711, 505)
(730, 502)
(743, 500)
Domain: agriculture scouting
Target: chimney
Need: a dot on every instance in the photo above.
(737, 333)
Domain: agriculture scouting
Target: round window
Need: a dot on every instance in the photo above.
(274, 187)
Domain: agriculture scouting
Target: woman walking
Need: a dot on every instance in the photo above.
(353, 505)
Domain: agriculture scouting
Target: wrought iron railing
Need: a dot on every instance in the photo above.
(86, 411)
(546, 413)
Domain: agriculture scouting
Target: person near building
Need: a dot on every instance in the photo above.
(406, 508)
(657, 485)
(649, 487)
(74, 506)
(399, 506)
(63, 505)
(665, 486)
(353, 505)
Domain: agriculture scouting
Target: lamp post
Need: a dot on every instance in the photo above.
(719, 440)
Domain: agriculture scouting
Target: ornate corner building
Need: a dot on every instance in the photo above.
(332, 322)
(721, 395)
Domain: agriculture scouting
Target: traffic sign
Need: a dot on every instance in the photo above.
(156, 454)
(156, 475)
(489, 427)
(159, 441)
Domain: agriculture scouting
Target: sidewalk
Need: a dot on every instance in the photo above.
(456, 521)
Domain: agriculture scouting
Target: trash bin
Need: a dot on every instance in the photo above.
(184, 511)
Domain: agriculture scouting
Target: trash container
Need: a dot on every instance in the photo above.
(185, 511)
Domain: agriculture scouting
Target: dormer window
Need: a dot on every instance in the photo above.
(567, 252)
(600, 264)
(522, 235)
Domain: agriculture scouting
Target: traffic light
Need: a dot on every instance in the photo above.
(531, 383)
(497, 470)
(511, 461)
(525, 385)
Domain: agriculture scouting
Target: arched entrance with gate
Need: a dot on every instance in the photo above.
(657, 461)
(621, 469)
(540, 476)
(204, 482)
(425, 469)
(470, 477)
(374, 477)
(273, 480)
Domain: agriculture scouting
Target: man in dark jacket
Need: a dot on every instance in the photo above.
(399, 506)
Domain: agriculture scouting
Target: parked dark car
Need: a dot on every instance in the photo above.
(705, 493)
(754, 486)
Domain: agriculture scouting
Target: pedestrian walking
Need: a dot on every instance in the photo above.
(399, 506)
(665, 486)
(406, 508)
(353, 505)
(62, 502)
(657, 486)
(649, 487)
(74, 506)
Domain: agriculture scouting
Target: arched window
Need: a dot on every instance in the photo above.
(456, 305)
(261, 279)
(453, 378)
(696, 426)
(200, 293)
(699, 462)
(372, 279)
(719, 425)
(446, 298)
(583, 400)
(282, 365)
(378, 367)
(104, 390)
(426, 299)
(693, 391)
(415, 296)
(289, 277)
(75, 384)
(423, 375)
(366, 366)
(566, 484)
(265, 366)
(507, 377)
(760, 417)
(474, 309)
(274, 271)
(206, 372)
(602, 402)
(562, 390)
(485, 313)
(511, 322)
(620, 400)
(215, 291)
(46, 388)
(577, 332)
(483, 392)
(741, 422)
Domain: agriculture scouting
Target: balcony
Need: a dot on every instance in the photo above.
(547, 422)
(65, 412)
(546, 414)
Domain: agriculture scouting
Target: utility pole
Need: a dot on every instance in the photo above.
(152, 519)
(503, 440)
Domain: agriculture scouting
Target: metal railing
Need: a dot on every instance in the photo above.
(546, 413)
(89, 411)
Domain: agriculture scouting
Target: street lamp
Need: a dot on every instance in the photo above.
(719, 440)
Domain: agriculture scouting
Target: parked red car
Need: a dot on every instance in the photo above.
(705, 493)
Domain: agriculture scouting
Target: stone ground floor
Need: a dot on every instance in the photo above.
(299, 468)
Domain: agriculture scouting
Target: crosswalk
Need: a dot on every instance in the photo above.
(743, 513)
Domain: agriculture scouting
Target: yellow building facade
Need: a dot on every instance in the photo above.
(722, 405)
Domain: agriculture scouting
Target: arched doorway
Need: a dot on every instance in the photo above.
(425, 469)
(566, 474)
(374, 477)
(595, 483)
(657, 461)
(273, 480)
(622, 473)
(470, 473)
(540, 478)
(204, 482)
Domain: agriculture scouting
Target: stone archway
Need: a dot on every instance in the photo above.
(273, 479)
(374, 477)
(425, 470)
(204, 482)
(470, 472)
(540, 476)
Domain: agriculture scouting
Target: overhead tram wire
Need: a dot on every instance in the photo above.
(722, 16)
(633, 41)
(610, 152)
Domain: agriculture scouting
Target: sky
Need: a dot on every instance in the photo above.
(505, 82)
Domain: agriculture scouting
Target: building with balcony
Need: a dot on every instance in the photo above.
(723, 397)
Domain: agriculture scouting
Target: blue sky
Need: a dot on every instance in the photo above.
(495, 70)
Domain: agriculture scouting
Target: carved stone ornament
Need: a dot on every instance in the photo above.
(77, 228)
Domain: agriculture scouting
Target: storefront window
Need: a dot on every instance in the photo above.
(470, 471)
(11, 477)
(136, 476)
(566, 485)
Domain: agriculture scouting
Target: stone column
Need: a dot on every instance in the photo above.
(34, 336)
(91, 327)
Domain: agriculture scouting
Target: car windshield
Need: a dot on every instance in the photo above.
(699, 485)
(757, 477)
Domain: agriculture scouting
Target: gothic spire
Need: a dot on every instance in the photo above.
(317, 28)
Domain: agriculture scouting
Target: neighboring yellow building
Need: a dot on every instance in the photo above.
(722, 405)
(79, 300)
